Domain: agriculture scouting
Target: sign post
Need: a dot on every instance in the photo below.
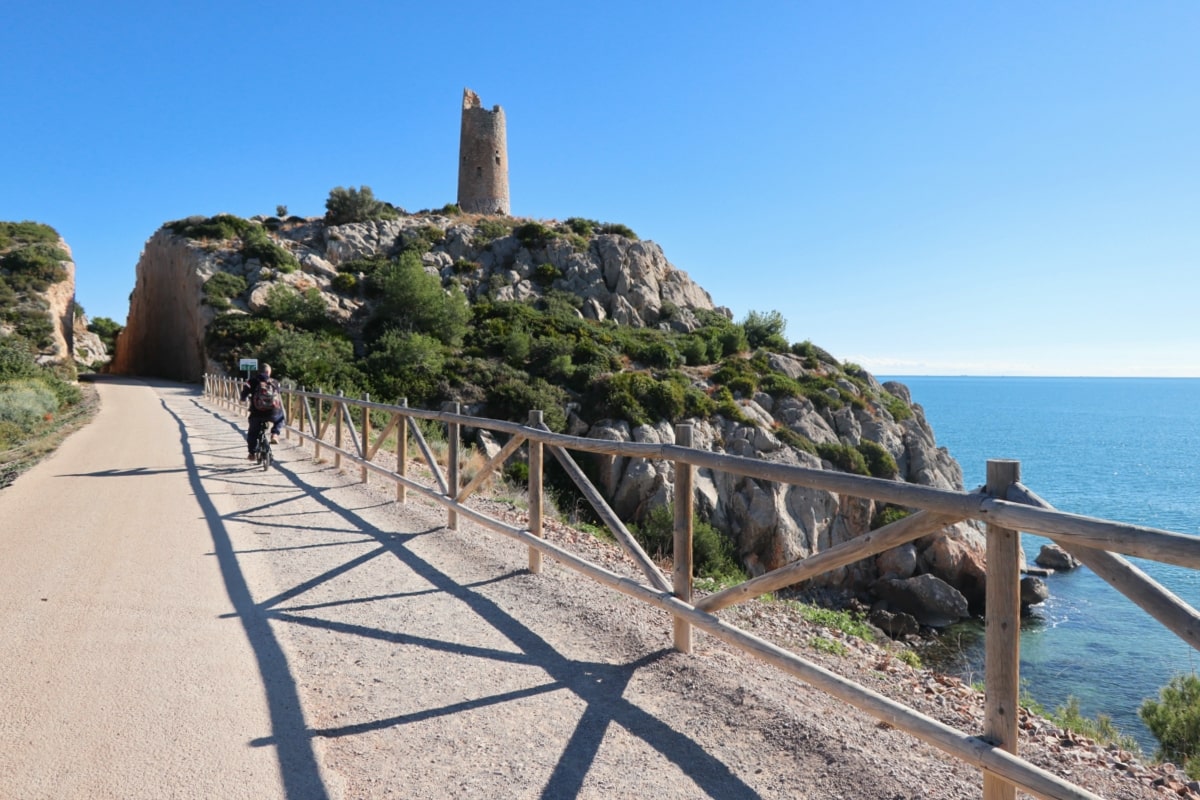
(248, 365)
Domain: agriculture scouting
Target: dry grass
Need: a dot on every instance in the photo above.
(17, 460)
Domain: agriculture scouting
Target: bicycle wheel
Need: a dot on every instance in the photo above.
(266, 457)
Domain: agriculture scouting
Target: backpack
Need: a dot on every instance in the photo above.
(265, 398)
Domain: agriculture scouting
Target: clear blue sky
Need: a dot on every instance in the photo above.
(922, 188)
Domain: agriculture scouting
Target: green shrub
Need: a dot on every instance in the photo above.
(582, 227)
(33, 324)
(35, 267)
(300, 309)
(223, 287)
(365, 266)
(419, 240)
(765, 329)
(534, 234)
(405, 364)
(451, 210)
(414, 301)
(1174, 719)
(345, 282)
(514, 398)
(744, 386)
(821, 391)
(712, 553)
(694, 350)
(666, 400)
(895, 406)
(517, 473)
(517, 347)
(257, 243)
(220, 227)
(888, 514)
(321, 358)
(546, 274)
(16, 359)
(618, 229)
(489, 229)
(697, 403)
(844, 458)
(733, 368)
(656, 532)
(231, 337)
(790, 437)
(652, 348)
(779, 385)
(27, 403)
(641, 399)
(345, 206)
(26, 233)
(880, 463)
(591, 352)
(107, 329)
(728, 408)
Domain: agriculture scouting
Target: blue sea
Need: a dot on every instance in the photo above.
(1124, 449)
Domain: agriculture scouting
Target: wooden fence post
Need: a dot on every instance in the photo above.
(402, 451)
(303, 403)
(535, 492)
(339, 409)
(319, 427)
(681, 577)
(453, 430)
(1002, 640)
(366, 434)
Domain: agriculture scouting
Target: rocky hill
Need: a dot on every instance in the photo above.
(37, 296)
(798, 405)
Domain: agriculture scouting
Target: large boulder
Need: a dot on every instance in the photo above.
(930, 600)
(1051, 556)
(1033, 591)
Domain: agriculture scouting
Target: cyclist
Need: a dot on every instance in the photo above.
(265, 407)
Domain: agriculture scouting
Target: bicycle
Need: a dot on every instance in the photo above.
(263, 452)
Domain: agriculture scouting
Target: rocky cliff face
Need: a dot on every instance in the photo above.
(164, 333)
(90, 350)
(775, 524)
(61, 298)
(43, 313)
(630, 282)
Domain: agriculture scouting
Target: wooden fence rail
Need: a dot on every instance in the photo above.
(1003, 504)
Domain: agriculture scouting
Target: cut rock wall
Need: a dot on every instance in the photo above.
(164, 333)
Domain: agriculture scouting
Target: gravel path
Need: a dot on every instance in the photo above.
(398, 658)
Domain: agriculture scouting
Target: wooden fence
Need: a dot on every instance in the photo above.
(343, 427)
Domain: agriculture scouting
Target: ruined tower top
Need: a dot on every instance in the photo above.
(482, 159)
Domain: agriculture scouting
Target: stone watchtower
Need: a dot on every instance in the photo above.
(482, 159)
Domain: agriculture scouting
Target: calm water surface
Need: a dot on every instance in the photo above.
(1118, 448)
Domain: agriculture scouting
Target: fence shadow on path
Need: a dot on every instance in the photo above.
(599, 686)
(298, 764)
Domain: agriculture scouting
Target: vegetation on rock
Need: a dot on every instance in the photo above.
(1174, 719)
(356, 205)
(31, 395)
